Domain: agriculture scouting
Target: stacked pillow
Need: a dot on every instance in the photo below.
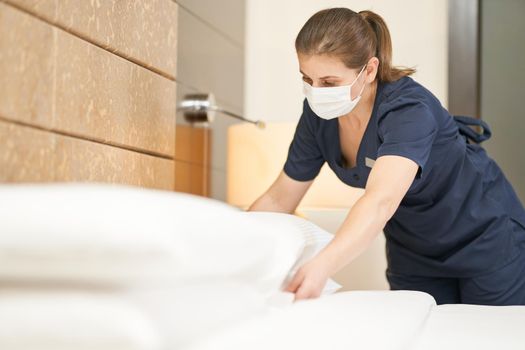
(48, 319)
(315, 239)
(136, 245)
(119, 235)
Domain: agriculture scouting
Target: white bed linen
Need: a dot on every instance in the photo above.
(462, 327)
(370, 320)
(183, 314)
(315, 239)
(67, 319)
(374, 320)
(213, 291)
(118, 235)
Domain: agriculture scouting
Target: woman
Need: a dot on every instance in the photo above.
(454, 226)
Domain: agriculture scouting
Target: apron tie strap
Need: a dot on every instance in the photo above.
(463, 124)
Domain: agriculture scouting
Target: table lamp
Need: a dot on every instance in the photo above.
(255, 159)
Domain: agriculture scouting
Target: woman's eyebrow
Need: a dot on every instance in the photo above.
(326, 77)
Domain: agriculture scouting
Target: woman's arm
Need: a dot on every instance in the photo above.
(283, 195)
(387, 184)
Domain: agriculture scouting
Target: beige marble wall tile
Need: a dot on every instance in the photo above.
(31, 155)
(108, 98)
(142, 31)
(26, 67)
(54, 79)
(26, 154)
(79, 160)
(42, 8)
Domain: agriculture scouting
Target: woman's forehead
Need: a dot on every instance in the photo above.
(317, 66)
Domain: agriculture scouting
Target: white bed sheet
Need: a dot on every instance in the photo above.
(373, 320)
(462, 327)
(348, 320)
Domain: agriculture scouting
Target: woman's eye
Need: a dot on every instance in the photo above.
(327, 83)
(308, 80)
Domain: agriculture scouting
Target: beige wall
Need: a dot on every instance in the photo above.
(272, 82)
(211, 59)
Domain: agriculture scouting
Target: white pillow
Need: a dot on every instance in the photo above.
(373, 320)
(187, 313)
(60, 320)
(315, 240)
(116, 234)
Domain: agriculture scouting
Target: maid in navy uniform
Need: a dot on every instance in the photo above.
(454, 226)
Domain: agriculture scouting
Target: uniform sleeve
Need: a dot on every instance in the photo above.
(408, 131)
(304, 160)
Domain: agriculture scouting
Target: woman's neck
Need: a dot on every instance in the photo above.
(361, 114)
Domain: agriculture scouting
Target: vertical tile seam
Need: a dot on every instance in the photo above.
(55, 156)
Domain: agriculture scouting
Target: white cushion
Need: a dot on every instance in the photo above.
(370, 320)
(117, 234)
(459, 327)
(60, 320)
(315, 240)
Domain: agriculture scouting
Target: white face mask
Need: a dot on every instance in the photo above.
(331, 102)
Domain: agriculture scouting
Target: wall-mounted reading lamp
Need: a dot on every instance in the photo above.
(201, 108)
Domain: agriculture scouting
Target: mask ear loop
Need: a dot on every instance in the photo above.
(363, 88)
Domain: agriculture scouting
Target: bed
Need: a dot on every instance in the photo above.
(100, 266)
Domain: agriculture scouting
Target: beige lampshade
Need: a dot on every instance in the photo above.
(255, 159)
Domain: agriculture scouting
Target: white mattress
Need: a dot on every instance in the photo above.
(375, 320)
(477, 327)
(347, 320)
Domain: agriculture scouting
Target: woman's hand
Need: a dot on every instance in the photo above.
(310, 279)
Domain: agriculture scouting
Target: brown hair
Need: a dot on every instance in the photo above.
(353, 37)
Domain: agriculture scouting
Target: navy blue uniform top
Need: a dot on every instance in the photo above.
(460, 216)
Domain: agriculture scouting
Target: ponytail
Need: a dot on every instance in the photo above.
(353, 37)
(384, 48)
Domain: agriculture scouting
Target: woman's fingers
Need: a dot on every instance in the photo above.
(307, 282)
(296, 282)
(307, 290)
(302, 293)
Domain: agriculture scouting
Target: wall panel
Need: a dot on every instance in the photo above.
(143, 32)
(26, 68)
(103, 96)
(57, 81)
(31, 155)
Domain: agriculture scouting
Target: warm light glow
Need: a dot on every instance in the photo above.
(255, 159)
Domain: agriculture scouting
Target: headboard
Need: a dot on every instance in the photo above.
(88, 92)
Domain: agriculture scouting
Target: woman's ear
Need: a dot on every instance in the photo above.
(371, 69)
